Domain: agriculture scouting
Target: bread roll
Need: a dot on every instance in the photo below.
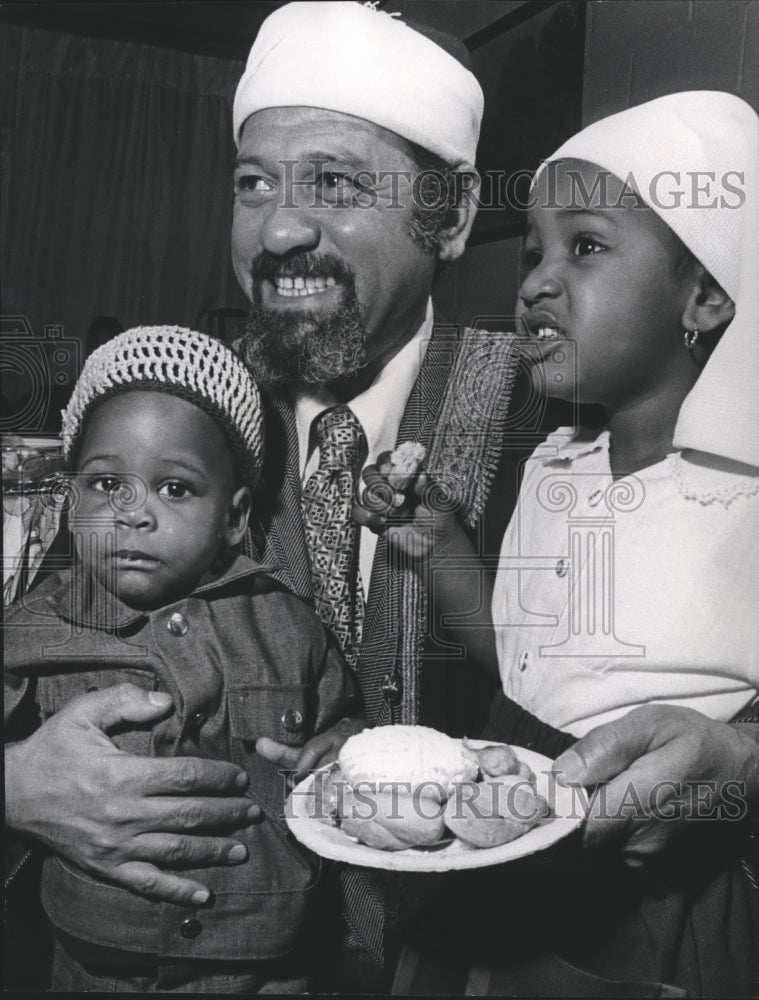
(494, 811)
(410, 755)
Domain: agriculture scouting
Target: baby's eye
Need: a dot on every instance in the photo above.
(175, 490)
(585, 246)
(105, 484)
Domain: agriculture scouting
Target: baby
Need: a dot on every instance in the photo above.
(164, 438)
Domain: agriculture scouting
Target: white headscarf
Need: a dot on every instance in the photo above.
(664, 144)
(351, 58)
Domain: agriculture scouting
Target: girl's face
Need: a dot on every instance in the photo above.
(603, 292)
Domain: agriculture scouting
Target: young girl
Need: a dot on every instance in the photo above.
(629, 573)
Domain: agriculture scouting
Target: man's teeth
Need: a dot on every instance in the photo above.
(548, 333)
(302, 286)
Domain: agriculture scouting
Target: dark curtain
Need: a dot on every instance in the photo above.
(116, 182)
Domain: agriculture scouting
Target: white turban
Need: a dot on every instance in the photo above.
(664, 144)
(353, 59)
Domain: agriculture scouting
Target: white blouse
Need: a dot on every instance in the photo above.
(611, 595)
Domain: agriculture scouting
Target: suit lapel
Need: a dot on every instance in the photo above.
(381, 616)
(423, 407)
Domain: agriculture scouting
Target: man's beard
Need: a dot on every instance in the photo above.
(285, 347)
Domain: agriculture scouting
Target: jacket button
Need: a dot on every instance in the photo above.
(561, 567)
(524, 661)
(190, 928)
(177, 624)
(198, 720)
(391, 689)
(292, 720)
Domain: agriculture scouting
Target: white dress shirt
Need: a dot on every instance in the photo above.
(613, 594)
(379, 409)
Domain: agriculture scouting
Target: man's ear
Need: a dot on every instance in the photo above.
(452, 240)
(709, 306)
(237, 516)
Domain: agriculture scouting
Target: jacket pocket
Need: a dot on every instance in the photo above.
(57, 690)
(282, 713)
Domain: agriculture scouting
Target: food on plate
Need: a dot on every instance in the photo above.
(365, 814)
(498, 759)
(494, 811)
(395, 787)
(413, 754)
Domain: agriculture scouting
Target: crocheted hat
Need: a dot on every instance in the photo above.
(184, 363)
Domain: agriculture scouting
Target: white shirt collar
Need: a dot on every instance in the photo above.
(379, 408)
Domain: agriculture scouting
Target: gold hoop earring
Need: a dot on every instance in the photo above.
(689, 339)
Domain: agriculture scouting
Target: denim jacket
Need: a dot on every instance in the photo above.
(242, 658)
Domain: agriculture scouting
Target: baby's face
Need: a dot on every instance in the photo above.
(156, 497)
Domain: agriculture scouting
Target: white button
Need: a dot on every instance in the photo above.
(177, 624)
(524, 660)
(561, 567)
(595, 498)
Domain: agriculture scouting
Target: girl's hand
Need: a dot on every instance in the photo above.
(416, 515)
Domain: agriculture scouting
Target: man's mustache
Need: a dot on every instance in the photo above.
(268, 267)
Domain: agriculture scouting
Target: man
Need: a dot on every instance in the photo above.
(336, 250)
(328, 246)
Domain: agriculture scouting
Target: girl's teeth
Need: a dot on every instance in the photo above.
(548, 333)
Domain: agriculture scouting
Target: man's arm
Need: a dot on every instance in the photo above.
(677, 763)
(122, 817)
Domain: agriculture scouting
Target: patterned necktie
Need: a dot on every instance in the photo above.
(331, 532)
(332, 536)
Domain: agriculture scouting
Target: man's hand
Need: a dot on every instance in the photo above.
(319, 751)
(665, 766)
(416, 516)
(119, 816)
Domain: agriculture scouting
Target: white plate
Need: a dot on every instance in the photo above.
(330, 841)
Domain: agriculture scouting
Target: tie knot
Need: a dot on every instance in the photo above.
(341, 438)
